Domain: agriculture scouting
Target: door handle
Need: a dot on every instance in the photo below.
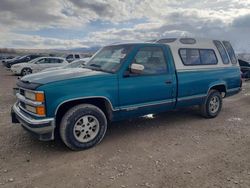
(168, 82)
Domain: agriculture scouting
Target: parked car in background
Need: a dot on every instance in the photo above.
(37, 65)
(74, 64)
(245, 68)
(244, 65)
(8, 58)
(71, 57)
(23, 59)
(123, 81)
(246, 74)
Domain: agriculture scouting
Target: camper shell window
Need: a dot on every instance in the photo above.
(191, 56)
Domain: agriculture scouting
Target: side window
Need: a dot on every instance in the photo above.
(230, 52)
(42, 61)
(152, 58)
(190, 56)
(53, 60)
(208, 57)
(77, 56)
(198, 56)
(222, 52)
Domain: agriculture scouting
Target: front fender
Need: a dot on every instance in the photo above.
(58, 93)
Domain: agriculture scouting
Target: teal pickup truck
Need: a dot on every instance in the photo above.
(124, 81)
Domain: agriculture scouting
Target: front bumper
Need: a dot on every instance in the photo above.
(15, 70)
(43, 129)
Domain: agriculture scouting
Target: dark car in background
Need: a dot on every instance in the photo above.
(22, 59)
(245, 68)
(4, 59)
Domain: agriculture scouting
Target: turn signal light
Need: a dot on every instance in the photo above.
(40, 110)
(40, 97)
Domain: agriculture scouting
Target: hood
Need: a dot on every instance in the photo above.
(59, 75)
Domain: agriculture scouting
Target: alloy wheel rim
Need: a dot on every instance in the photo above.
(214, 104)
(86, 128)
(26, 71)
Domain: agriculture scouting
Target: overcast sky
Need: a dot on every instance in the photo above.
(84, 23)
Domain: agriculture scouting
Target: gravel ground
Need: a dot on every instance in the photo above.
(173, 149)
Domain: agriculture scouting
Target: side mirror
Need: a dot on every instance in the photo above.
(136, 68)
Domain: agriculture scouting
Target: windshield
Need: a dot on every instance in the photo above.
(19, 58)
(15, 58)
(109, 59)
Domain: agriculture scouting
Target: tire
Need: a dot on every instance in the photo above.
(83, 127)
(26, 71)
(212, 105)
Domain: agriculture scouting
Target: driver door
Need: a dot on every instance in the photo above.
(151, 90)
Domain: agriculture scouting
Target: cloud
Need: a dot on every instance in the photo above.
(242, 21)
(127, 21)
(37, 42)
(98, 7)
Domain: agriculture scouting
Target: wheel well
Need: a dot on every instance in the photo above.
(101, 103)
(220, 88)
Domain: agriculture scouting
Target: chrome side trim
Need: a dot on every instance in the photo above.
(191, 97)
(128, 108)
(27, 101)
(134, 107)
(30, 120)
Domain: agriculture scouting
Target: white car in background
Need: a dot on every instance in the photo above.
(37, 65)
(73, 64)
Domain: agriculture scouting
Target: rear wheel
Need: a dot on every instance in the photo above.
(26, 71)
(83, 126)
(213, 104)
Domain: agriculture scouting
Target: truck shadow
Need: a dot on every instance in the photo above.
(167, 119)
(142, 124)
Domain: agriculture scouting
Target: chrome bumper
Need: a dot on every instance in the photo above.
(43, 128)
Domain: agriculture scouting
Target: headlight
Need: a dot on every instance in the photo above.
(38, 96)
(32, 101)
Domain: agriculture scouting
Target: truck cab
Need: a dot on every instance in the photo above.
(73, 57)
(124, 81)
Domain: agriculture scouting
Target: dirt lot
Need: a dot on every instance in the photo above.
(174, 149)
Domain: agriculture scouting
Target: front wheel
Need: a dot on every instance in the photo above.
(213, 104)
(83, 126)
(26, 71)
